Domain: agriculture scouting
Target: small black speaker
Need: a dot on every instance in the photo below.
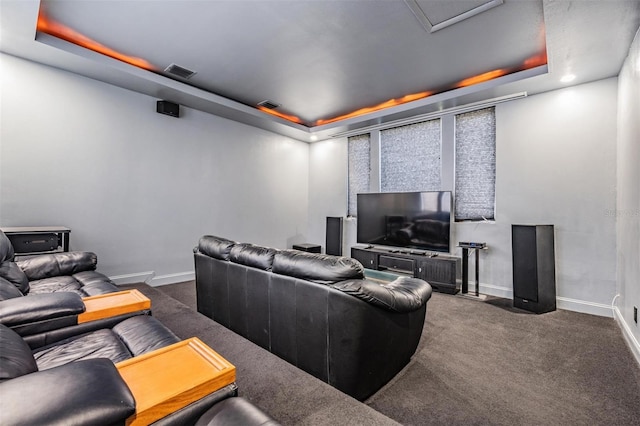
(334, 236)
(168, 108)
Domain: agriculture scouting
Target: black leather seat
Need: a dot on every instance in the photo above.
(48, 273)
(129, 338)
(75, 381)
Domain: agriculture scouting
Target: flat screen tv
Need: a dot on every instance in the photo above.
(415, 220)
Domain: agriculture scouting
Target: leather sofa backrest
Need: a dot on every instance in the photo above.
(216, 247)
(319, 268)
(67, 263)
(16, 358)
(253, 255)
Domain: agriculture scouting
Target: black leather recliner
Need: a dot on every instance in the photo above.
(74, 380)
(134, 336)
(49, 273)
(41, 319)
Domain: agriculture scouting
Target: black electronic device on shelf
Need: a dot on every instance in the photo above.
(465, 244)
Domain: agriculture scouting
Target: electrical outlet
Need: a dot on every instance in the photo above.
(635, 314)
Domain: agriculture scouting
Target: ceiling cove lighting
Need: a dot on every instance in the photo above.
(55, 29)
(567, 78)
(288, 117)
(529, 63)
(424, 117)
(63, 32)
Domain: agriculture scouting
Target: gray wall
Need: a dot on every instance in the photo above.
(556, 162)
(628, 208)
(137, 187)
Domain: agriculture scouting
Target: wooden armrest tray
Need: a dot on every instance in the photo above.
(112, 304)
(168, 379)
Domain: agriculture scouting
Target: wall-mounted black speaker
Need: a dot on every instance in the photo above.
(334, 236)
(168, 108)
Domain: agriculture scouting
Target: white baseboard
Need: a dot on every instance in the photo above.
(628, 334)
(151, 279)
(492, 290)
(139, 277)
(172, 278)
(599, 309)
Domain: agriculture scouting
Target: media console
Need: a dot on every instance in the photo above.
(441, 271)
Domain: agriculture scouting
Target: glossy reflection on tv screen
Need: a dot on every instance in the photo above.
(415, 220)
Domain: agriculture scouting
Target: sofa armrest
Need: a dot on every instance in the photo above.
(57, 264)
(86, 392)
(40, 308)
(404, 294)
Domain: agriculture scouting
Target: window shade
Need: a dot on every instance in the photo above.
(359, 169)
(410, 157)
(475, 135)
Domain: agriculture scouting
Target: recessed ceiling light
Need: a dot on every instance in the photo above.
(568, 78)
(313, 138)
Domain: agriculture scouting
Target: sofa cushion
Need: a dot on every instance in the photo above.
(55, 284)
(98, 344)
(16, 358)
(216, 247)
(252, 255)
(320, 268)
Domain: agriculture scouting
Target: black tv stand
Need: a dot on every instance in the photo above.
(440, 270)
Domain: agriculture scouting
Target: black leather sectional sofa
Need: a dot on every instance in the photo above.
(316, 311)
(55, 369)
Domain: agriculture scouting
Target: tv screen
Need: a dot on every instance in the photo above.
(419, 220)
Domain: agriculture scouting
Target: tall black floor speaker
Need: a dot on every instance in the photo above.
(334, 236)
(534, 271)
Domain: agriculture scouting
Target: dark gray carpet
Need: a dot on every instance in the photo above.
(287, 393)
(478, 363)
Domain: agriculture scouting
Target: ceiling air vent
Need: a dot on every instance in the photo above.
(268, 104)
(179, 71)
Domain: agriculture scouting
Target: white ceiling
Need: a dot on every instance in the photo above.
(322, 59)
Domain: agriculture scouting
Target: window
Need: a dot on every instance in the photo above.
(359, 169)
(475, 168)
(410, 158)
